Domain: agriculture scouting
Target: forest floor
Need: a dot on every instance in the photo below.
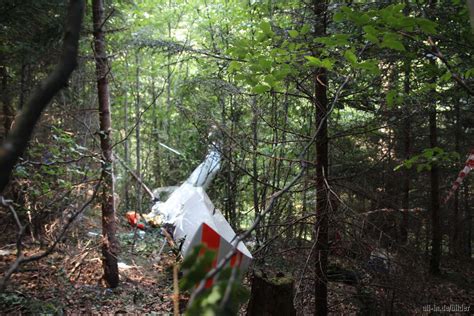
(69, 280)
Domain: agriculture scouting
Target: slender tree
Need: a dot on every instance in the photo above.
(467, 242)
(110, 244)
(435, 207)
(126, 145)
(137, 134)
(6, 101)
(406, 153)
(457, 231)
(322, 194)
(436, 233)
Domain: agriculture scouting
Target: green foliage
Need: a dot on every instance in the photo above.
(427, 26)
(428, 158)
(13, 302)
(11, 299)
(316, 62)
(386, 27)
(334, 40)
(293, 33)
(30, 30)
(393, 98)
(350, 57)
(196, 266)
(209, 302)
(266, 28)
(393, 41)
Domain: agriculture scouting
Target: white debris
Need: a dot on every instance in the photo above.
(206, 171)
(123, 266)
(170, 149)
(6, 252)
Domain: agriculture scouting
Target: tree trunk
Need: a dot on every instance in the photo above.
(126, 145)
(6, 103)
(23, 71)
(467, 242)
(110, 244)
(271, 296)
(406, 153)
(255, 166)
(156, 139)
(457, 229)
(169, 74)
(436, 233)
(233, 177)
(322, 194)
(137, 135)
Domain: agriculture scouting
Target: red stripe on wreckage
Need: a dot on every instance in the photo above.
(212, 240)
(236, 259)
(469, 165)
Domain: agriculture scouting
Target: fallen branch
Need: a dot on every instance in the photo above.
(135, 176)
(168, 237)
(79, 262)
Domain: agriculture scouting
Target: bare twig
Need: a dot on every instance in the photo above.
(51, 163)
(177, 47)
(79, 262)
(135, 176)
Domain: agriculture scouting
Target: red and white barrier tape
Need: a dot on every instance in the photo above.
(467, 168)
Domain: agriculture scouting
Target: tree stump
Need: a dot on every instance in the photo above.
(271, 296)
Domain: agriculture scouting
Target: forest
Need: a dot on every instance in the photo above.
(236, 157)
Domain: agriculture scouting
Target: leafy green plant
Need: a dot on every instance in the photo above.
(209, 302)
(11, 299)
(10, 302)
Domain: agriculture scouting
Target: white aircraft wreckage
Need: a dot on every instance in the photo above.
(194, 218)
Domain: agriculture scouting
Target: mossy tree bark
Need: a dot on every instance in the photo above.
(271, 296)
